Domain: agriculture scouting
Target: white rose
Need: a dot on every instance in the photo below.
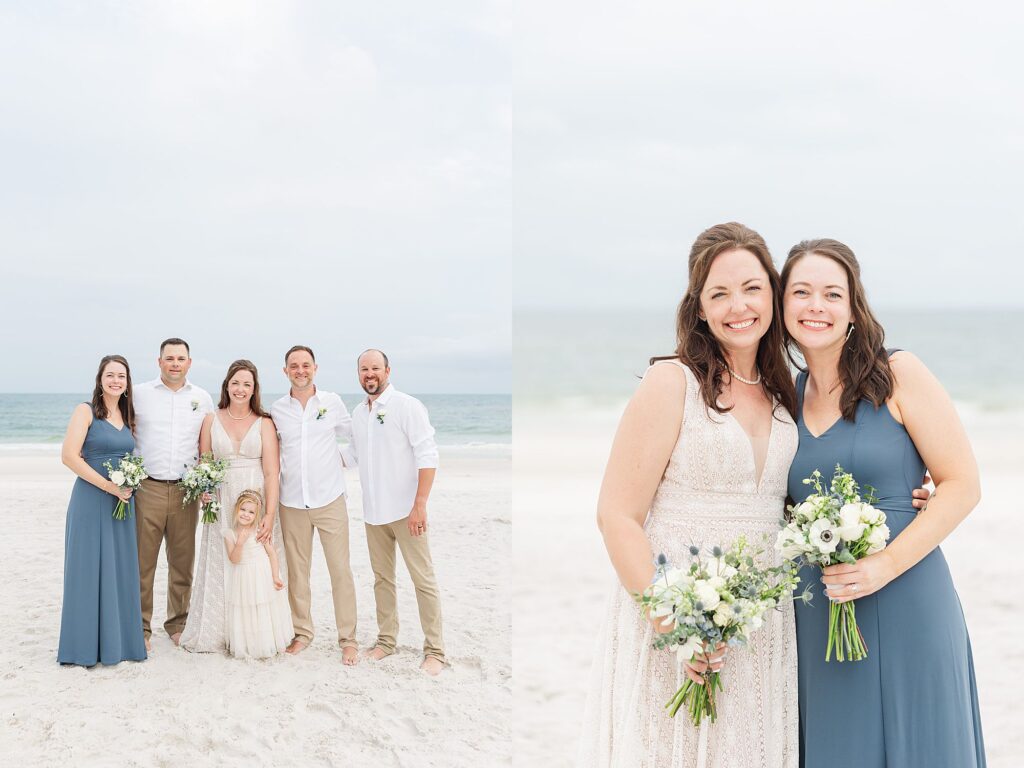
(707, 594)
(870, 515)
(805, 511)
(724, 614)
(823, 536)
(717, 582)
(851, 527)
(117, 477)
(755, 622)
(877, 539)
(718, 567)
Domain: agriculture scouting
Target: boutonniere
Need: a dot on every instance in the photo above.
(381, 414)
(321, 413)
(195, 405)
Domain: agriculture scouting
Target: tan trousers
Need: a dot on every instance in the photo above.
(297, 528)
(416, 554)
(160, 516)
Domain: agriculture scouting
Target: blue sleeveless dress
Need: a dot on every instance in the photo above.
(101, 619)
(912, 703)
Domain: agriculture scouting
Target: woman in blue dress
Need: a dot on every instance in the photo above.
(912, 703)
(101, 619)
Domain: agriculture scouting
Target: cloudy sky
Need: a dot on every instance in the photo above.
(251, 175)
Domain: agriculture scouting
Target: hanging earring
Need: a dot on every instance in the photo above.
(849, 332)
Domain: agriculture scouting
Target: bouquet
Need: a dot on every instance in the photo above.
(835, 526)
(717, 599)
(204, 477)
(130, 473)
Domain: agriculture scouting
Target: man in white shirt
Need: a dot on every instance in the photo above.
(394, 444)
(169, 412)
(310, 421)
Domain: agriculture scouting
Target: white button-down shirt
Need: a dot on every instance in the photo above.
(311, 464)
(167, 425)
(392, 440)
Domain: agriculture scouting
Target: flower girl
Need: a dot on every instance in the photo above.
(259, 621)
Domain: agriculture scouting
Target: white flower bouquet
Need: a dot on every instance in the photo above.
(130, 473)
(204, 477)
(717, 599)
(835, 526)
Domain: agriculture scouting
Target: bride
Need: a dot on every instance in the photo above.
(241, 432)
(700, 457)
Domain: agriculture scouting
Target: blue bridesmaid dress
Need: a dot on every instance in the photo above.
(101, 619)
(913, 702)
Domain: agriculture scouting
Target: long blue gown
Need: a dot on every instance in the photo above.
(101, 619)
(912, 703)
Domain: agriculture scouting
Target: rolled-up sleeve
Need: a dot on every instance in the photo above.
(421, 437)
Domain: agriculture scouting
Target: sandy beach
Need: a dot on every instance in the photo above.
(183, 709)
(564, 576)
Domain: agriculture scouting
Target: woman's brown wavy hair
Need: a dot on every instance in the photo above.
(255, 402)
(698, 349)
(864, 371)
(124, 403)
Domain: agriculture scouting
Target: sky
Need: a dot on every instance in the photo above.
(249, 176)
(409, 176)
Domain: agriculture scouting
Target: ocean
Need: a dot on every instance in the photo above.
(470, 421)
(594, 358)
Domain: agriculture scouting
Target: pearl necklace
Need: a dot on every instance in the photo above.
(745, 381)
(240, 418)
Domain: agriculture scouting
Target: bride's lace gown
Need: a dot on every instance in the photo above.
(709, 495)
(206, 628)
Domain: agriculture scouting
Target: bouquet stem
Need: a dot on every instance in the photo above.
(699, 698)
(119, 510)
(210, 512)
(843, 633)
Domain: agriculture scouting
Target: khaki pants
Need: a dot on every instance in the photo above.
(416, 554)
(159, 516)
(297, 528)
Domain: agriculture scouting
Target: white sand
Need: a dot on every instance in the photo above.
(564, 576)
(182, 709)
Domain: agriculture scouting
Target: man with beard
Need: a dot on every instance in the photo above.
(394, 444)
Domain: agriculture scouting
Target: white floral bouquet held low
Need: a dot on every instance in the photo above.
(130, 473)
(204, 477)
(835, 526)
(717, 599)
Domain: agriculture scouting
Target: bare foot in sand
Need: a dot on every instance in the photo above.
(176, 638)
(149, 647)
(377, 653)
(349, 656)
(432, 666)
(296, 646)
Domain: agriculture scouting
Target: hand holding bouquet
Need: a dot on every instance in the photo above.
(717, 599)
(204, 477)
(130, 473)
(829, 527)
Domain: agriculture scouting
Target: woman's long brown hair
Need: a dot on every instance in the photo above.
(255, 401)
(864, 371)
(697, 347)
(124, 403)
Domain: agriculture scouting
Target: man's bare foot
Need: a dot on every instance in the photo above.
(296, 646)
(176, 638)
(432, 666)
(149, 646)
(377, 653)
(349, 656)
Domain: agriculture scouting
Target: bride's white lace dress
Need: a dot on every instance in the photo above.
(709, 495)
(205, 630)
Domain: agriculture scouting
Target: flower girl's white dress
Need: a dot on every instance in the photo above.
(709, 495)
(259, 618)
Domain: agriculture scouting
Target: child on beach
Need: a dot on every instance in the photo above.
(259, 620)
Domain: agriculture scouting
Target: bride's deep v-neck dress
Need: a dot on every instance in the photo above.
(207, 616)
(709, 495)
